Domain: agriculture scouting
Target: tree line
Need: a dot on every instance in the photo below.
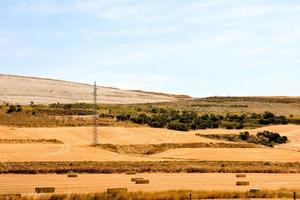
(187, 120)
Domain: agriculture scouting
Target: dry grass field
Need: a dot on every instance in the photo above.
(171, 169)
(23, 90)
(85, 183)
(231, 154)
(77, 140)
(112, 135)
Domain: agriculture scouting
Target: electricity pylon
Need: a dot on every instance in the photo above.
(95, 132)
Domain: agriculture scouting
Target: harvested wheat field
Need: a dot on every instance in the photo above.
(111, 135)
(231, 154)
(76, 145)
(60, 152)
(13, 183)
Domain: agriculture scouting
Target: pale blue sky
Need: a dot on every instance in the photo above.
(195, 47)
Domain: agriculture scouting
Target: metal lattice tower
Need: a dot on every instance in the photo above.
(95, 132)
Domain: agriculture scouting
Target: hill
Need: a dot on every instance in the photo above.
(23, 90)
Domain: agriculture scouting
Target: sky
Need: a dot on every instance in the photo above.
(195, 47)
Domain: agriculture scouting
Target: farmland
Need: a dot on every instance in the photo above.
(76, 145)
(13, 183)
(40, 144)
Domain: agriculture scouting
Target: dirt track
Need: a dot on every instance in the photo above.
(14, 183)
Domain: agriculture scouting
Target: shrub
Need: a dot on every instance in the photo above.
(158, 121)
(123, 117)
(13, 108)
(141, 119)
(244, 135)
(178, 126)
(239, 126)
(229, 125)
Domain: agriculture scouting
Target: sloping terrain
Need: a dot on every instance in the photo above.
(77, 140)
(23, 90)
(231, 154)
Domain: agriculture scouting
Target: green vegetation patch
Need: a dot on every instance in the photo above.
(186, 120)
(266, 138)
(183, 115)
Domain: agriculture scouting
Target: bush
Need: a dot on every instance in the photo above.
(123, 117)
(239, 126)
(158, 121)
(244, 135)
(13, 108)
(270, 138)
(229, 125)
(178, 126)
(141, 119)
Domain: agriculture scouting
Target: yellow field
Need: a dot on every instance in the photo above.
(77, 147)
(231, 154)
(85, 183)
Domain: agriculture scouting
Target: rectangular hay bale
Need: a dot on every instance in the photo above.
(72, 175)
(135, 179)
(143, 181)
(45, 189)
(240, 175)
(242, 183)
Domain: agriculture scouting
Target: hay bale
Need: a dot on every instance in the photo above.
(240, 175)
(242, 183)
(135, 179)
(71, 174)
(131, 173)
(45, 189)
(254, 190)
(143, 181)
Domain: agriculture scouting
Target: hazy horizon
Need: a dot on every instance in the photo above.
(199, 48)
